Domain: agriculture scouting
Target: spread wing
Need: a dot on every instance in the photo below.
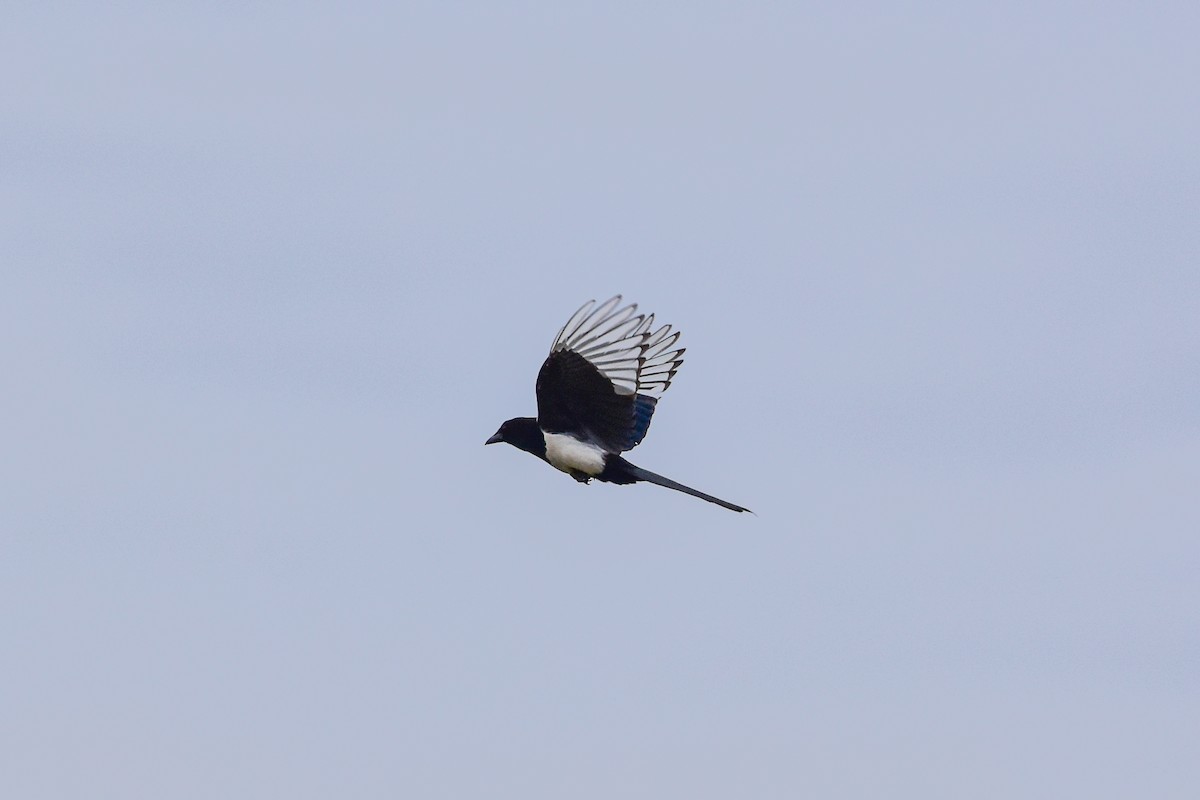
(604, 373)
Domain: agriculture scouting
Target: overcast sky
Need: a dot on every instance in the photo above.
(271, 273)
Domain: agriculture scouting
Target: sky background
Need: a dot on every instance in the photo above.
(271, 273)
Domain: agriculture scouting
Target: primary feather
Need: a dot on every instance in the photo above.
(619, 343)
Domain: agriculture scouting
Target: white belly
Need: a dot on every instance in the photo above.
(567, 453)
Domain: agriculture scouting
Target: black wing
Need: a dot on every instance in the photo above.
(575, 397)
(602, 372)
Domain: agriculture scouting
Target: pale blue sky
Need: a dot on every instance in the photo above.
(272, 273)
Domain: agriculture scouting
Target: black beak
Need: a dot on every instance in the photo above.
(496, 437)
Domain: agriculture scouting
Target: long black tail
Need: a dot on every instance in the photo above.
(618, 470)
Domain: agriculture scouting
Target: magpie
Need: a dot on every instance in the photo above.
(596, 392)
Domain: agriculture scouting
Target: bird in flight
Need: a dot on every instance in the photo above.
(596, 393)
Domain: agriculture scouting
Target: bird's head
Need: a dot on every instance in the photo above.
(520, 432)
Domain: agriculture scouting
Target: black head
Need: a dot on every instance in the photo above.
(522, 433)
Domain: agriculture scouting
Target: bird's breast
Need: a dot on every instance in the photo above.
(569, 454)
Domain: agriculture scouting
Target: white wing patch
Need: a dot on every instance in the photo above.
(618, 341)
